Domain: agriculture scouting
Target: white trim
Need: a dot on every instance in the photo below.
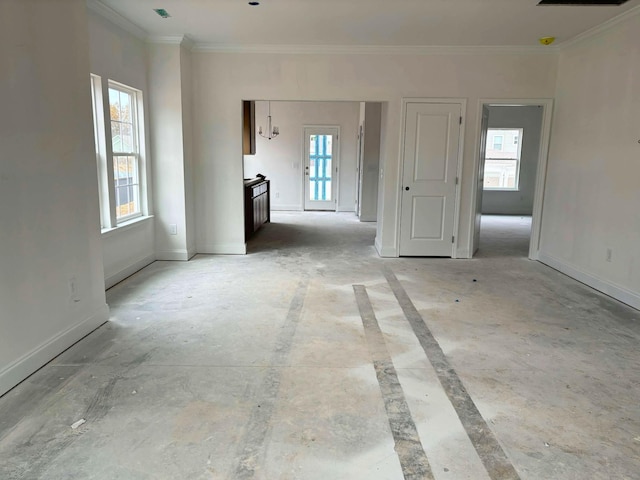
(608, 288)
(127, 271)
(375, 49)
(177, 255)
(223, 249)
(286, 208)
(182, 40)
(385, 252)
(20, 369)
(124, 226)
(599, 29)
(345, 209)
(116, 18)
(541, 172)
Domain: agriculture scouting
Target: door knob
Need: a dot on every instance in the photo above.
(406, 188)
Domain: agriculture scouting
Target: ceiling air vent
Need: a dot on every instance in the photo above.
(582, 2)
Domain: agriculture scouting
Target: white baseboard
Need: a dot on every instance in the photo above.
(605, 286)
(180, 255)
(286, 208)
(17, 371)
(123, 273)
(385, 252)
(346, 209)
(223, 249)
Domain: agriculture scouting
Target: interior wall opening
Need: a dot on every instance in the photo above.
(304, 156)
(510, 151)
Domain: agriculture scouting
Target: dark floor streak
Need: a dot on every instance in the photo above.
(252, 446)
(413, 459)
(484, 441)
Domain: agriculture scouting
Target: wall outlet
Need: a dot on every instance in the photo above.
(609, 252)
(277, 194)
(73, 290)
(173, 229)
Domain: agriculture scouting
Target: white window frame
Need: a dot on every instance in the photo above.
(517, 159)
(105, 155)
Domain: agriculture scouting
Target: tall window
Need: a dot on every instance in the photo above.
(502, 160)
(119, 138)
(126, 152)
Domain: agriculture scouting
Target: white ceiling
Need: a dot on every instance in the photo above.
(365, 22)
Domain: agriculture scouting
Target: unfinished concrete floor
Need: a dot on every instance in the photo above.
(274, 366)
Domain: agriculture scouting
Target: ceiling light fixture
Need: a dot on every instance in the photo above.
(272, 132)
(162, 12)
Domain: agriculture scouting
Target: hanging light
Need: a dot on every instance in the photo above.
(272, 132)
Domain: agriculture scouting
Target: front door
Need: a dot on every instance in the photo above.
(320, 168)
(431, 151)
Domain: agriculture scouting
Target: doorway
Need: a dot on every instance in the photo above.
(321, 167)
(513, 146)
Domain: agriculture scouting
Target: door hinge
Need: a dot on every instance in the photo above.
(457, 180)
(453, 239)
(460, 120)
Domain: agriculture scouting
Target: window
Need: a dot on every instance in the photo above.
(119, 152)
(502, 159)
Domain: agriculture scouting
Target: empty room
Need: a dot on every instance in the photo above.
(307, 240)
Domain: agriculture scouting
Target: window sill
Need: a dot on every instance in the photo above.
(133, 223)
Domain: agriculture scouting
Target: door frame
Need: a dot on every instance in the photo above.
(336, 165)
(541, 172)
(456, 213)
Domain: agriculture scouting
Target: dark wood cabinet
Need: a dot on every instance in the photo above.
(257, 205)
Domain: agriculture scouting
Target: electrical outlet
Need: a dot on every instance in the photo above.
(609, 253)
(173, 229)
(277, 194)
(73, 290)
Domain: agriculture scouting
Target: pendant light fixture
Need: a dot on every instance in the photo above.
(272, 132)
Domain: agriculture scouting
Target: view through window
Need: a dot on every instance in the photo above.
(502, 159)
(124, 139)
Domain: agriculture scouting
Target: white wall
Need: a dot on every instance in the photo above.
(222, 80)
(282, 159)
(592, 194)
(171, 154)
(115, 54)
(48, 187)
(371, 117)
(528, 118)
(186, 80)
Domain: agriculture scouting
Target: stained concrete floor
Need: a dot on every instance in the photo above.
(274, 366)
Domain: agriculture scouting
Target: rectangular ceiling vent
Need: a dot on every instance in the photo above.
(582, 2)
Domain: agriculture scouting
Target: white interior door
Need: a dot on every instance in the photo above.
(321, 168)
(431, 150)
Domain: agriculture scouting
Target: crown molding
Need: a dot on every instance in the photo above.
(599, 29)
(96, 6)
(183, 40)
(374, 50)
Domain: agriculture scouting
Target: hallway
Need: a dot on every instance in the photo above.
(312, 358)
